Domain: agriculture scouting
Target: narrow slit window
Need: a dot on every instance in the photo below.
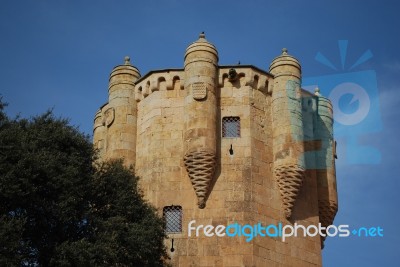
(231, 127)
(173, 219)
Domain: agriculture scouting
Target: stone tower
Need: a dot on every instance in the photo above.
(225, 145)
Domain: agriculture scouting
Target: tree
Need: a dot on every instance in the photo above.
(127, 230)
(59, 208)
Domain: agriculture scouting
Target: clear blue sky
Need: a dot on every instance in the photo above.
(58, 54)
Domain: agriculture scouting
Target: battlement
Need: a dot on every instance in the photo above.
(173, 79)
(226, 144)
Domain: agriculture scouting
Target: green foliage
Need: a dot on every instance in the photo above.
(128, 236)
(59, 209)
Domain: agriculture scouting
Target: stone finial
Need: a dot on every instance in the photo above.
(202, 35)
(284, 51)
(127, 60)
(316, 91)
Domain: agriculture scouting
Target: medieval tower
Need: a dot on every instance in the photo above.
(223, 145)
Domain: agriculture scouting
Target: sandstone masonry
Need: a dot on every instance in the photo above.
(225, 144)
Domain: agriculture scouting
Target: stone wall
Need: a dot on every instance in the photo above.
(153, 122)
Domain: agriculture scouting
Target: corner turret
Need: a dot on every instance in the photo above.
(114, 133)
(201, 72)
(288, 148)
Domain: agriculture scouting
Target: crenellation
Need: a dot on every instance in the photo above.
(228, 144)
(158, 82)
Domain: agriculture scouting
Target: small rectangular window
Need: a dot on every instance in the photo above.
(231, 127)
(173, 219)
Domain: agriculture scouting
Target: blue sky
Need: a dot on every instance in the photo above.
(58, 54)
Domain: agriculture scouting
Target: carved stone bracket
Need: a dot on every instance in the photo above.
(201, 166)
(290, 178)
(327, 213)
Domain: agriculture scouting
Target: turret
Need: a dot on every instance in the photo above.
(121, 112)
(201, 70)
(288, 147)
(325, 162)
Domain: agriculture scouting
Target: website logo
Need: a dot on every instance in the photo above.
(355, 100)
(280, 231)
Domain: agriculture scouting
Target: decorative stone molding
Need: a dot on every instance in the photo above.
(201, 166)
(290, 178)
(98, 120)
(109, 116)
(327, 213)
(199, 90)
(251, 77)
(152, 83)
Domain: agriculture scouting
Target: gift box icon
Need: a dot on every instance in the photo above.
(355, 100)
